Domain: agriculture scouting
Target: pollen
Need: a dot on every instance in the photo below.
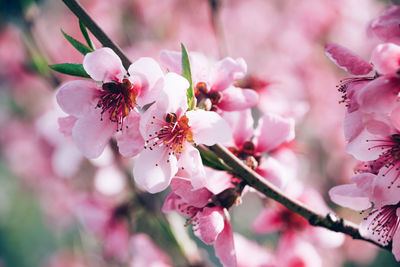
(116, 100)
(174, 133)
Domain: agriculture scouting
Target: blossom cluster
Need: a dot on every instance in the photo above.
(148, 112)
(122, 162)
(372, 131)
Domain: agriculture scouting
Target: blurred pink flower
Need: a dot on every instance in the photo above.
(146, 253)
(207, 217)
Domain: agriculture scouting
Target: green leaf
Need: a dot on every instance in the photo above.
(83, 49)
(86, 35)
(211, 160)
(72, 69)
(187, 73)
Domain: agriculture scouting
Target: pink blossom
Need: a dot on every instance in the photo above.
(383, 220)
(294, 251)
(250, 254)
(214, 81)
(286, 221)
(206, 213)
(385, 58)
(170, 131)
(249, 145)
(386, 26)
(102, 111)
(146, 253)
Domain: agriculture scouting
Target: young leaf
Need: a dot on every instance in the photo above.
(86, 34)
(72, 69)
(187, 73)
(78, 45)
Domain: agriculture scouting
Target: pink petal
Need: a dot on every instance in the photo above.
(225, 72)
(104, 65)
(154, 169)
(386, 189)
(273, 130)
(208, 127)
(171, 60)
(362, 146)
(386, 27)
(210, 223)
(274, 172)
(183, 188)
(251, 254)
(171, 202)
(152, 121)
(66, 124)
(130, 141)
(217, 181)
(150, 76)
(77, 97)
(347, 60)
(146, 253)
(395, 118)
(294, 251)
(349, 196)
(235, 98)
(225, 247)
(190, 161)
(268, 221)
(199, 64)
(396, 241)
(241, 123)
(352, 124)
(385, 58)
(91, 134)
(325, 238)
(173, 97)
(368, 224)
(380, 95)
(365, 182)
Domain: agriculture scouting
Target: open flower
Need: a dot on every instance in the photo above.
(214, 81)
(170, 131)
(105, 108)
(210, 223)
(383, 219)
(251, 144)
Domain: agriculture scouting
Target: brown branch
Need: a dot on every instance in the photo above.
(329, 221)
(253, 179)
(83, 16)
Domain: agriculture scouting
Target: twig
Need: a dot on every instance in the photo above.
(329, 221)
(253, 179)
(82, 14)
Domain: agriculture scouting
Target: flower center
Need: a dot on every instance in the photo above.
(247, 154)
(205, 99)
(389, 158)
(173, 134)
(385, 223)
(117, 99)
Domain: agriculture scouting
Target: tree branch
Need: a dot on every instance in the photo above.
(83, 16)
(329, 221)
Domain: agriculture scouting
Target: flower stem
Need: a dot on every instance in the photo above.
(329, 221)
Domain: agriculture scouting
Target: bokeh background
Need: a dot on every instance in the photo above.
(60, 209)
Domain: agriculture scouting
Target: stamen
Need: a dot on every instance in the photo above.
(117, 99)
